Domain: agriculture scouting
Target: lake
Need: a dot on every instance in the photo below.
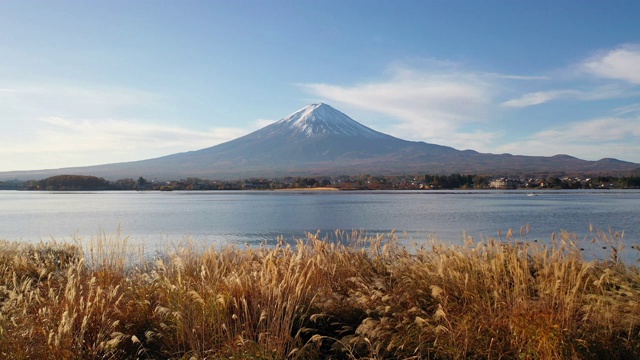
(254, 217)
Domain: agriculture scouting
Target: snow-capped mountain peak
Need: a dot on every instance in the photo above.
(322, 119)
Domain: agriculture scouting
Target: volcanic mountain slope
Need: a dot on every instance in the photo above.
(320, 140)
(316, 133)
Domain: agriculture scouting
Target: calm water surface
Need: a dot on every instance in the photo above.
(156, 218)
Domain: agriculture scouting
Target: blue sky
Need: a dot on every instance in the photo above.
(94, 82)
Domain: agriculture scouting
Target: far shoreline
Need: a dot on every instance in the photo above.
(310, 189)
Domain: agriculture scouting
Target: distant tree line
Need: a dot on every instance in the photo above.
(69, 182)
(358, 182)
(11, 185)
(455, 181)
(624, 182)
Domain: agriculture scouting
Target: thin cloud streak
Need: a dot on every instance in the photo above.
(73, 100)
(518, 77)
(629, 109)
(540, 97)
(598, 93)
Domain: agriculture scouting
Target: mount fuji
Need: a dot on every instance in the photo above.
(320, 140)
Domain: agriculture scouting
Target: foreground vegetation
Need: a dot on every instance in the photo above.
(371, 298)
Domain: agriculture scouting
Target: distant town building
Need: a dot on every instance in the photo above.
(504, 183)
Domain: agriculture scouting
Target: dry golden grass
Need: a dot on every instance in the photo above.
(372, 299)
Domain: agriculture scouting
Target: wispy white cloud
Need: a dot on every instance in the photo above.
(49, 126)
(441, 103)
(63, 142)
(595, 130)
(132, 134)
(588, 139)
(622, 63)
(426, 105)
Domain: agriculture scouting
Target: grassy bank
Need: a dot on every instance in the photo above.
(374, 299)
